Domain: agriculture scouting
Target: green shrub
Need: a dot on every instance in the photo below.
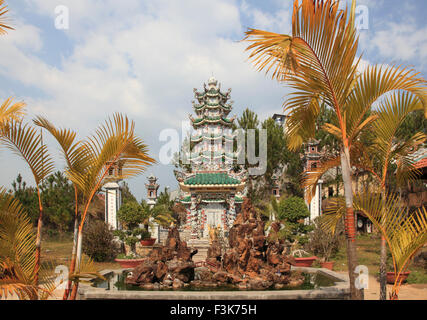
(323, 243)
(292, 212)
(417, 277)
(98, 241)
(131, 214)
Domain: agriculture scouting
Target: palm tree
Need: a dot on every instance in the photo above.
(113, 142)
(319, 62)
(404, 234)
(26, 142)
(76, 159)
(17, 254)
(386, 149)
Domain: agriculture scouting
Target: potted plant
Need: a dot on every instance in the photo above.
(146, 239)
(324, 243)
(291, 213)
(129, 259)
(391, 276)
(303, 258)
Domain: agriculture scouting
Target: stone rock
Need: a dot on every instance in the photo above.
(161, 270)
(279, 286)
(177, 284)
(214, 250)
(251, 261)
(165, 264)
(222, 277)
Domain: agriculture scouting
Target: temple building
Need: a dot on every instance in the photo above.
(113, 195)
(312, 161)
(213, 185)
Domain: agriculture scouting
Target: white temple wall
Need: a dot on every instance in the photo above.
(112, 200)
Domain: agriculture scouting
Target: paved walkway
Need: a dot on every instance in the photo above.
(406, 292)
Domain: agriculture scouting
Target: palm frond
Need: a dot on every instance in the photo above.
(404, 234)
(317, 60)
(378, 81)
(11, 111)
(3, 19)
(26, 142)
(113, 142)
(87, 271)
(17, 253)
(74, 154)
(311, 178)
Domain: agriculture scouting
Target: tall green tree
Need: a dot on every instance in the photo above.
(318, 60)
(276, 147)
(126, 193)
(27, 197)
(58, 202)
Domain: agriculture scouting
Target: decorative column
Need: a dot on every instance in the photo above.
(194, 217)
(224, 220)
(112, 204)
(231, 211)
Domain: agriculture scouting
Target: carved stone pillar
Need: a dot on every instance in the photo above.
(194, 217)
(231, 211)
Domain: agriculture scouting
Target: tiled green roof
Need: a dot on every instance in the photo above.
(186, 199)
(199, 121)
(211, 178)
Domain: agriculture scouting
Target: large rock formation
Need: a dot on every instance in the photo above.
(252, 261)
(169, 265)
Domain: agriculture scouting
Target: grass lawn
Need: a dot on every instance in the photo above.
(57, 252)
(368, 254)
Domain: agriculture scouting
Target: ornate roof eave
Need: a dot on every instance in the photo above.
(203, 106)
(211, 187)
(201, 121)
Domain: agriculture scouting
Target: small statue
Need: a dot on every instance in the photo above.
(213, 234)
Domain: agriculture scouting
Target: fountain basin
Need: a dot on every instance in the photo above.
(338, 291)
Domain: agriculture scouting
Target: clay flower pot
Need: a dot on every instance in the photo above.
(327, 265)
(391, 277)
(304, 262)
(129, 263)
(148, 242)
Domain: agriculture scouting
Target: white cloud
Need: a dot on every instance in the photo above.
(140, 60)
(401, 41)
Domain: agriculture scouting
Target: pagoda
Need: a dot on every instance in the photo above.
(213, 185)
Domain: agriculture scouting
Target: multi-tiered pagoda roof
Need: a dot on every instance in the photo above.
(211, 182)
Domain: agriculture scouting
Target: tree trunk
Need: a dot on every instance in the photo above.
(73, 258)
(383, 270)
(383, 258)
(78, 260)
(38, 248)
(38, 240)
(355, 294)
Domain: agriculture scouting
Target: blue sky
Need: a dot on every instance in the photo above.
(144, 58)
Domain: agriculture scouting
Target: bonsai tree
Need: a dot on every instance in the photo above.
(292, 213)
(131, 215)
(323, 243)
